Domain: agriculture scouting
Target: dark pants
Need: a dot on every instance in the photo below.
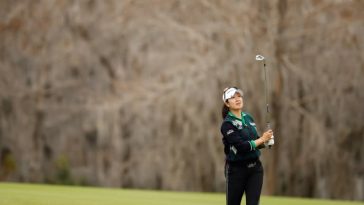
(243, 177)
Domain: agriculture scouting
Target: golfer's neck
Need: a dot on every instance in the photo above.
(237, 113)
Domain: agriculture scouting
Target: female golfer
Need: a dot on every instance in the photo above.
(243, 169)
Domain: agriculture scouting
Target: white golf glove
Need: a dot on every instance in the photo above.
(270, 142)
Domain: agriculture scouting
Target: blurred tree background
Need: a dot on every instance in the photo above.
(128, 93)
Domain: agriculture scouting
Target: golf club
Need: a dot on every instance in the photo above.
(267, 114)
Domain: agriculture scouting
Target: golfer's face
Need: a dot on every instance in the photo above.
(236, 102)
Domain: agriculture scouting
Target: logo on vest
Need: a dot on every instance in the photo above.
(251, 165)
(229, 132)
(238, 124)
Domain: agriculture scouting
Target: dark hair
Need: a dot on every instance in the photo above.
(224, 111)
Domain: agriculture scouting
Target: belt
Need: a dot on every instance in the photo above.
(246, 163)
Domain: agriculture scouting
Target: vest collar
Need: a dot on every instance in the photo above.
(242, 120)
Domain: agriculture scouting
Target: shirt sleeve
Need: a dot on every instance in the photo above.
(262, 146)
(233, 139)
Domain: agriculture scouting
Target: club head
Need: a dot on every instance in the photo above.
(259, 57)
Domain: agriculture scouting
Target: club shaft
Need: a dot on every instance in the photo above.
(267, 114)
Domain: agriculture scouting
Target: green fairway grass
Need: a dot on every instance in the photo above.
(32, 194)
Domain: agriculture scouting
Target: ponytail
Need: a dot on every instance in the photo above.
(224, 111)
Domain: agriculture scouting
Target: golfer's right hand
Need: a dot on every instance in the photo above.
(267, 135)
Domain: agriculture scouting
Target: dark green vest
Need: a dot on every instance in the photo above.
(247, 131)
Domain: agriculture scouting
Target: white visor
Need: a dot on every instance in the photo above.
(229, 93)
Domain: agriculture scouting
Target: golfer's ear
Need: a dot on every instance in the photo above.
(227, 104)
